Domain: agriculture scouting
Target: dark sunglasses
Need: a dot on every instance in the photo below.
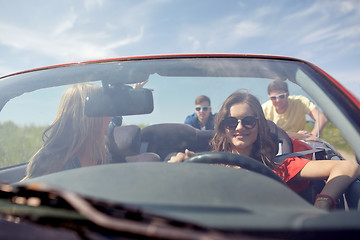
(280, 96)
(248, 122)
(204, 108)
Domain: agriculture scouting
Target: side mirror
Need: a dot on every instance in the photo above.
(119, 100)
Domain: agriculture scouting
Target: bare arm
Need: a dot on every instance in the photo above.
(141, 84)
(338, 175)
(320, 121)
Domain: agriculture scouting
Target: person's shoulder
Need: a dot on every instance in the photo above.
(298, 97)
(302, 100)
(267, 104)
(191, 118)
(193, 115)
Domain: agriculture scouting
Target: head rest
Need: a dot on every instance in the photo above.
(127, 140)
(274, 134)
(175, 137)
(280, 137)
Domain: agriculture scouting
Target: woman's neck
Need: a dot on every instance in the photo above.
(244, 152)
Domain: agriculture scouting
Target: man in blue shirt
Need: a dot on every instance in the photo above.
(202, 119)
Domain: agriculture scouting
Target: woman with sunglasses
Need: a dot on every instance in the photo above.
(241, 128)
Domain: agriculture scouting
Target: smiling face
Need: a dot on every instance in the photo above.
(279, 100)
(241, 139)
(203, 115)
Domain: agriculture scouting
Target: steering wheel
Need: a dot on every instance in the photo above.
(236, 160)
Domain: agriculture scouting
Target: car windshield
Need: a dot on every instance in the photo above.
(148, 109)
(175, 84)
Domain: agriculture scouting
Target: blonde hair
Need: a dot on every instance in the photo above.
(70, 135)
(263, 148)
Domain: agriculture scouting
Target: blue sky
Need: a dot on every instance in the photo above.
(41, 32)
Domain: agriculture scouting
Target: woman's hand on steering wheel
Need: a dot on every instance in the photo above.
(226, 158)
(180, 157)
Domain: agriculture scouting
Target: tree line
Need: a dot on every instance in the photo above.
(18, 144)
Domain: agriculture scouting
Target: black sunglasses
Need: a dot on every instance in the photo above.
(248, 122)
(204, 108)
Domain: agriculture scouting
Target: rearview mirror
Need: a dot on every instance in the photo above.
(119, 100)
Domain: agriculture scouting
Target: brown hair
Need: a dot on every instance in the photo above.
(264, 148)
(278, 85)
(202, 98)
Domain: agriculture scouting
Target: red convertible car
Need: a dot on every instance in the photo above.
(142, 196)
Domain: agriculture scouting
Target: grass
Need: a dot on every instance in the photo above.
(18, 144)
(333, 136)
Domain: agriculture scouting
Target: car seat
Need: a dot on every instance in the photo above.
(169, 138)
(125, 141)
(282, 141)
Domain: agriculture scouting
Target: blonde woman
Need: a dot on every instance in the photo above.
(241, 128)
(73, 140)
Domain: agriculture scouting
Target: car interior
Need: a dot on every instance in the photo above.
(158, 142)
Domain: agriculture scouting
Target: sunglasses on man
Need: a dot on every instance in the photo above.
(248, 122)
(204, 108)
(280, 96)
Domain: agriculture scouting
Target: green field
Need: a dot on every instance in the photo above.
(333, 136)
(18, 144)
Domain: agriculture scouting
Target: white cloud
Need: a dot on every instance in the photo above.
(65, 47)
(66, 23)
(195, 43)
(319, 35)
(246, 29)
(350, 32)
(224, 33)
(13, 36)
(109, 48)
(83, 49)
(327, 29)
(305, 54)
(326, 10)
(91, 4)
(348, 6)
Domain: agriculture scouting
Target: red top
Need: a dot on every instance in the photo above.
(301, 146)
(290, 167)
